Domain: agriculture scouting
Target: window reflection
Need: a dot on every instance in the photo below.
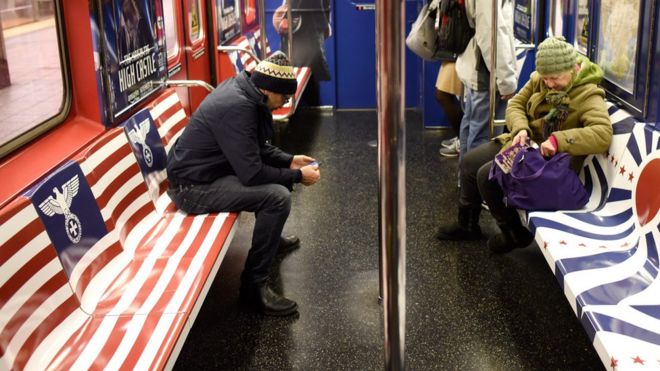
(617, 41)
(31, 82)
(194, 21)
(171, 39)
(582, 27)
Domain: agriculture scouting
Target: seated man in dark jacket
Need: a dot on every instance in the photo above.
(224, 161)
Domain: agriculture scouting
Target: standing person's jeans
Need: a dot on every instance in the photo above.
(476, 187)
(271, 204)
(476, 120)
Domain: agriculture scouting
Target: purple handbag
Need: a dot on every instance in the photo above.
(535, 183)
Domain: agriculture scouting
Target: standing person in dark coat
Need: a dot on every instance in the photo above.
(224, 161)
(311, 26)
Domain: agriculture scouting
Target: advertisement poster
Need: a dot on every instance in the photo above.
(522, 21)
(229, 24)
(617, 41)
(133, 55)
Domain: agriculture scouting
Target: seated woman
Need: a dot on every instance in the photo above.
(562, 108)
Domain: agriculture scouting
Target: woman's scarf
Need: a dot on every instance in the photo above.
(559, 100)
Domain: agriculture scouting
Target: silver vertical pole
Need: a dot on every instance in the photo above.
(493, 66)
(390, 63)
(262, 28)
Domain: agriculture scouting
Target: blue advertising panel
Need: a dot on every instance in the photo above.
(133, 52)
(229, 21)
(67, 208)
(523, 26)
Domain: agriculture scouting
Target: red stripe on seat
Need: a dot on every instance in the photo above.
(113, 294)
(31, 304)
(13, 208)
(27, 271)
(100, 262)
(197, 285)
(134, 219)
(55, 317)
(177, 326)
(102, 141)
(120, 179)
(20, 239)
(166, 94)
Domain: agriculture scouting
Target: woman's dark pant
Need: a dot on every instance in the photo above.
(475, 186)
(271, 204)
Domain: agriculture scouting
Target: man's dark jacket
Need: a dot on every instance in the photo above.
(229, 134)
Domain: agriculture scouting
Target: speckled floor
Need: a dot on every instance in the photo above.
(467, 309)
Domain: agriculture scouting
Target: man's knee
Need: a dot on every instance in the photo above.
(278, 197)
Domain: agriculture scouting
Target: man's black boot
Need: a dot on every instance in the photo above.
(514, 236)
(466, 229)
(267, 301)
(288, 244)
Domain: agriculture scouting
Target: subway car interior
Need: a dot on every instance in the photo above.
(100, 270)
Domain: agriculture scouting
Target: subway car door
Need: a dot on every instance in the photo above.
(196, 48)
(356, 54)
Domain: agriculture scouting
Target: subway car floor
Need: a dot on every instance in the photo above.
(466, 308)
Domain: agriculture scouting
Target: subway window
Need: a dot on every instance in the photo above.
(171, 38)
(582, 26)
(31, 78)
(195, 27)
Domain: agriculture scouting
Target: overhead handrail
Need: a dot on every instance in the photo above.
(190, 84)
(525, 46)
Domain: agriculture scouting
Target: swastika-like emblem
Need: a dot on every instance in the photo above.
(61, 203)
(138, 135)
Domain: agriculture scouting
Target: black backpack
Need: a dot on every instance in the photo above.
(454, 31)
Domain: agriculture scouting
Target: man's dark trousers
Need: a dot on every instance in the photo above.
(271, 204)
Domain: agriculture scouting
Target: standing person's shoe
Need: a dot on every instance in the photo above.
(466, 229)
(267, 301)
(288, 244)
(452, 151)
(449, 143)
(513, 236)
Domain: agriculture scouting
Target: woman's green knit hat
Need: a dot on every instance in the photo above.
(555, 55)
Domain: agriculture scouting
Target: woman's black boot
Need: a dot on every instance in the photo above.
(514, 236)
(467, 228)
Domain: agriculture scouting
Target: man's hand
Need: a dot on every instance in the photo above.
(548, 149)
(310, 174)
(299, 161)
(521, 138)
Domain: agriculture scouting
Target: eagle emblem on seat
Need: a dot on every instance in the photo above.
(138, 135)
(60, 203)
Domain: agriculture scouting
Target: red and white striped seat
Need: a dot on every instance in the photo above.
(126, 292)
(35, 297)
